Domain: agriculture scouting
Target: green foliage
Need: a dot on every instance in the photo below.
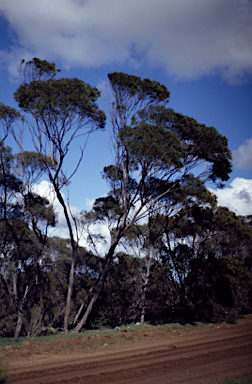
(63, 110)
(151, 146)
(59, 101)
(107, 208)
(7, 117)
(8, 180)
(31, 166)
(24, 219)
(37, 69)
(40, 209)
(147, 90)
(204, 143)
(220, 288)
(197, 142)
(119, 299)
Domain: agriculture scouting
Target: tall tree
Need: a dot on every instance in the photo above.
(59, 111)
(155, 148)
(144, 241)
(24, 219)
(208, 249)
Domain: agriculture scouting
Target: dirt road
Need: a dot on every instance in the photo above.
(188, 357)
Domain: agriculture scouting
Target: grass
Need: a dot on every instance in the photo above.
(31, 343)
(16, 342)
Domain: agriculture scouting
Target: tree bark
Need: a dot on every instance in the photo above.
(144, 288)
(70, 291)
(19, 306)
(19, 322)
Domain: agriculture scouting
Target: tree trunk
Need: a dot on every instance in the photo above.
(19, 305)
(19, 321)
(74, 255)
(144, 288)
(84, 302)
(99, 286)
(70, 291)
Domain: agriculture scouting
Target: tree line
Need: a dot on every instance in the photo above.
(172, 253)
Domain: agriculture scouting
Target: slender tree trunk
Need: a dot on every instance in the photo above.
(144, 288)
(70, 291)
(20, 318)
(99, 286)
(19, 305)
(84, 302)
(19, 322)
(73, 262)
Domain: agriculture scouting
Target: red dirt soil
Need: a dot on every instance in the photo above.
(162, 355)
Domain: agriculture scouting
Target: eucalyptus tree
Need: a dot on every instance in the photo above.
(143, 242)
(58, 111)
(24, 220)
(171, 235)
(154, 148)
(219, 279)
(209, 251)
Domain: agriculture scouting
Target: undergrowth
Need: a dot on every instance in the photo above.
(16, 342)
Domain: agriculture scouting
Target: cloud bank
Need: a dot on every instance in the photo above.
(242, 157)
(188, 39)
(238, 198)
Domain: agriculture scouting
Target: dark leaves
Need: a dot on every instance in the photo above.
(56, 100)
(135, 86)
(7, 117)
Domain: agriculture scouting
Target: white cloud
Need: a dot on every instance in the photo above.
(188, 38)
(243, 155)
(45, 189)
(238, 198)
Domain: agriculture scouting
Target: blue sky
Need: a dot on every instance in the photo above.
(200, 49)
